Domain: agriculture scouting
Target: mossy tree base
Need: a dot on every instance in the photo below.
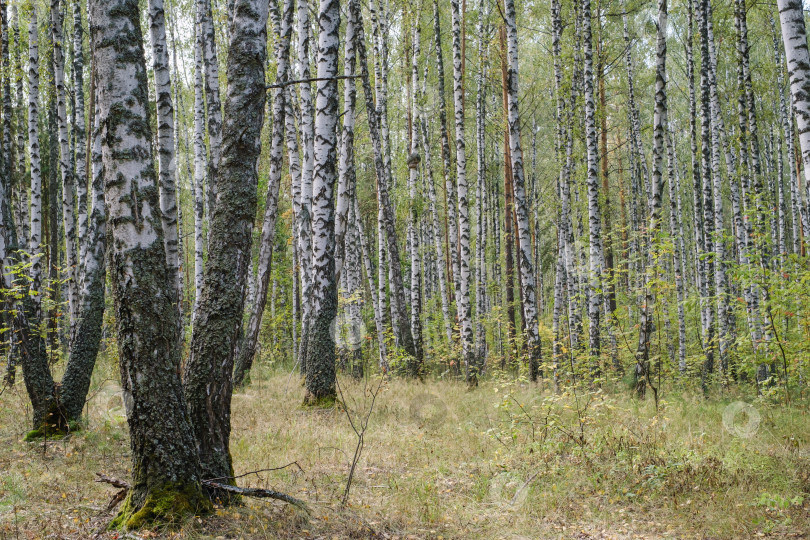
(167, 505)
(320, 402)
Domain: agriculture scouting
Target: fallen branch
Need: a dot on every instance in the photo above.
(258, 493)
(247, 492)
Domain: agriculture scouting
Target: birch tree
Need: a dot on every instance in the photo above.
(164, 463)
(525, 257)
(320, 374)
(207, 377)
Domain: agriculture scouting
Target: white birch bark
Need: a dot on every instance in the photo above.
(200, 167)
(451, 224)
(320, 374)
(207, 39)
(414, 193)
(463, 295)
(794, 37)
(594, 215)
(65, 164)
(79, 134)
(165, 141)
(35, 241)
(525, 257)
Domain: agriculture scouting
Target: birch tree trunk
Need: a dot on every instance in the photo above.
(521, 207)
(208, 371)
(481, 231)
(451, 223)
(66, 166)
(642, 370)
(307, 142)
(594, 218)
(708, 202)
(799, 216)
(463, 294)
(794, 37)
(246, 348)
(165, 469)
(199, 174)
(208, 44)
(166, 143)
(320, 375)
(414, 159)
(35, 241)
(85, 347)
(80, 135)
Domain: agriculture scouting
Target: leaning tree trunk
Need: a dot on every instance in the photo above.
(463, 294)
(530, 318)
(207, 382)
(84, 350)
(594, 219)
(320, 375)
(246, 348)
(165, 144)
(165, 469)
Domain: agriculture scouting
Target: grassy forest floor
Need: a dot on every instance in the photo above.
(507, 460)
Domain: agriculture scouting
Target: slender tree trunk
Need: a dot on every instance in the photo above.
(66, 165)
(85, 347)
(451, 223)
(463, 294)
(594, 219)
(794, 36)
(414, 159)
(165, 469)
(642, 370)
(207, 381)
(304, 217)
(206, 36)
(199, 174)
(525, 257)
(35, 242)
(320, 375)
(481, 228)
(166, 144)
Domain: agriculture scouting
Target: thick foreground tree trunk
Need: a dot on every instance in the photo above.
(165, 469)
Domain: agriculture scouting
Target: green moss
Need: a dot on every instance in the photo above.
(320, 402)
(169, 504)
(53, 432)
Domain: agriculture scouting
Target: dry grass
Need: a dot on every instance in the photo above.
(504, 461)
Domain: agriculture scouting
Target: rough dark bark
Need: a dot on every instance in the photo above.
(165, 468)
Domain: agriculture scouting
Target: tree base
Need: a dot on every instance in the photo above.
(166, 505)
(320, 402)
